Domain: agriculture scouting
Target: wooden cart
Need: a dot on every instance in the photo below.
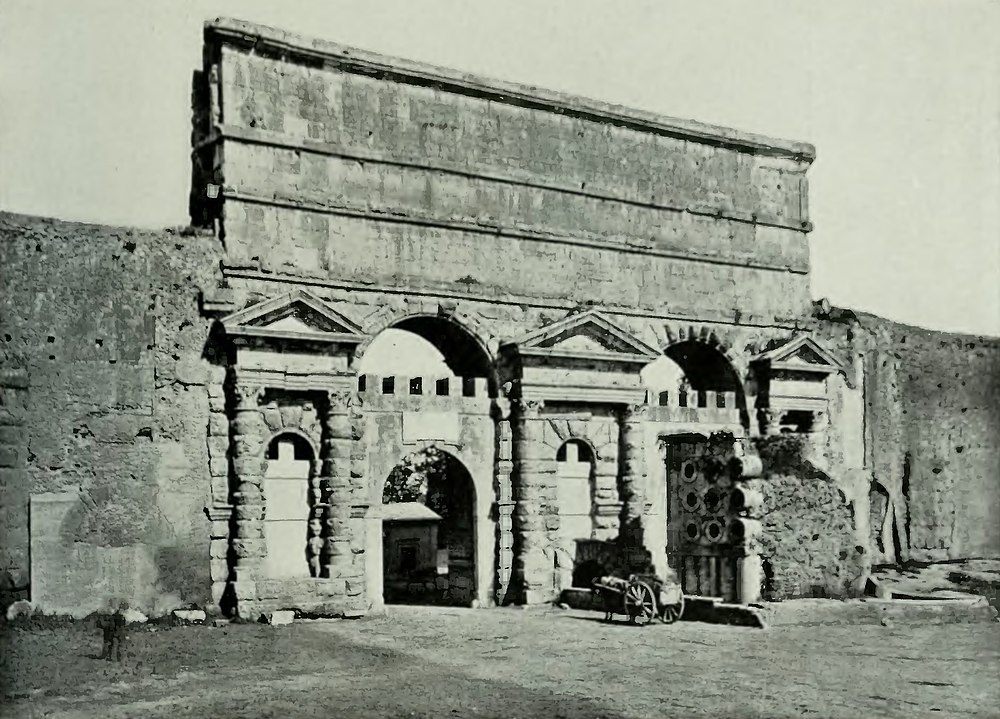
(641, 598)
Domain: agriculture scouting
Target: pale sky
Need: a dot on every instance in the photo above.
(901, 98)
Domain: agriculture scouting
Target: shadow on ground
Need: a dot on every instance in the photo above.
(257, 671)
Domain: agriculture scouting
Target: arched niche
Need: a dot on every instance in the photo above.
(291, 533)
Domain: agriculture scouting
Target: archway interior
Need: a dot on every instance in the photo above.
(292, 548)
(428, 531)
(427, 346)
(692, 366)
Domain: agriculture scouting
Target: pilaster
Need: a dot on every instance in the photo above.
(336, 560)
(505, 503)
(536, 519)
(248, 434)
(633, 483)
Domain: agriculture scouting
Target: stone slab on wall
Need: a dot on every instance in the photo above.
(403, 120)
(77, 578)
(392, 253)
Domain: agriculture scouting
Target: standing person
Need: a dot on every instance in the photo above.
(114, 634)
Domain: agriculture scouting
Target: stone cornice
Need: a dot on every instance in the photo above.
(263, 40)
(243, 273)
(610, 357)
(539, 392)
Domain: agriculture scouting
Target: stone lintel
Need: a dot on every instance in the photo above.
(312, 381)
(582, 393)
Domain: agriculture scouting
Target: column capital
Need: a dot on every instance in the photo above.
(528, 408)
(248, 392)
(340, 397)
(636, 412)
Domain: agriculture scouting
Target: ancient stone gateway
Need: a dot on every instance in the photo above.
(554, 249)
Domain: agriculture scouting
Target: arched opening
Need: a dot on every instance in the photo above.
(427, 346)
(693, 374)
(293, 539)
(428, 531)
(705, 368)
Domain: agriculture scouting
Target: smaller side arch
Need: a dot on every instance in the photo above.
(601, 437)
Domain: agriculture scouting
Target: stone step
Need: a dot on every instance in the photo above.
(958, 610)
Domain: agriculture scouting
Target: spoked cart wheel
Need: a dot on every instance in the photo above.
(672, 612)
(640, 603)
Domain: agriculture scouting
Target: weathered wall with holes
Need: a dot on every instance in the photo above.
(103, 325)
(808, 540)
(929, 433)
(333, 173)
(948, 410)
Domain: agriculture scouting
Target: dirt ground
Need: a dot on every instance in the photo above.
(510, 663)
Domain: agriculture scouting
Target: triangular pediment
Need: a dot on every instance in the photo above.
(299, 315)
(587, 334)
(801, 353)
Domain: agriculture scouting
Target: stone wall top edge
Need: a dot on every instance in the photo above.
(262, 38)
(24, 221)
(900, 328)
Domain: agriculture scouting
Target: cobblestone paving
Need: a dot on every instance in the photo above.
(425, 662)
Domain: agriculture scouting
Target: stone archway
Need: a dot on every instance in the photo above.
(709, 373)
(465, 345)
(429, 552)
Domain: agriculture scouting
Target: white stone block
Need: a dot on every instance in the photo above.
(21, 608)
(189, 615)
(134, 616)
(279, 618)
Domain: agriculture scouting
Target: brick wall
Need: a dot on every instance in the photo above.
(101, 327)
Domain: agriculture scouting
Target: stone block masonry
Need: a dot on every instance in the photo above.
(106, 401)
(418, 177)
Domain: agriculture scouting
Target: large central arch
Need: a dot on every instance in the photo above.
(462, 351)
